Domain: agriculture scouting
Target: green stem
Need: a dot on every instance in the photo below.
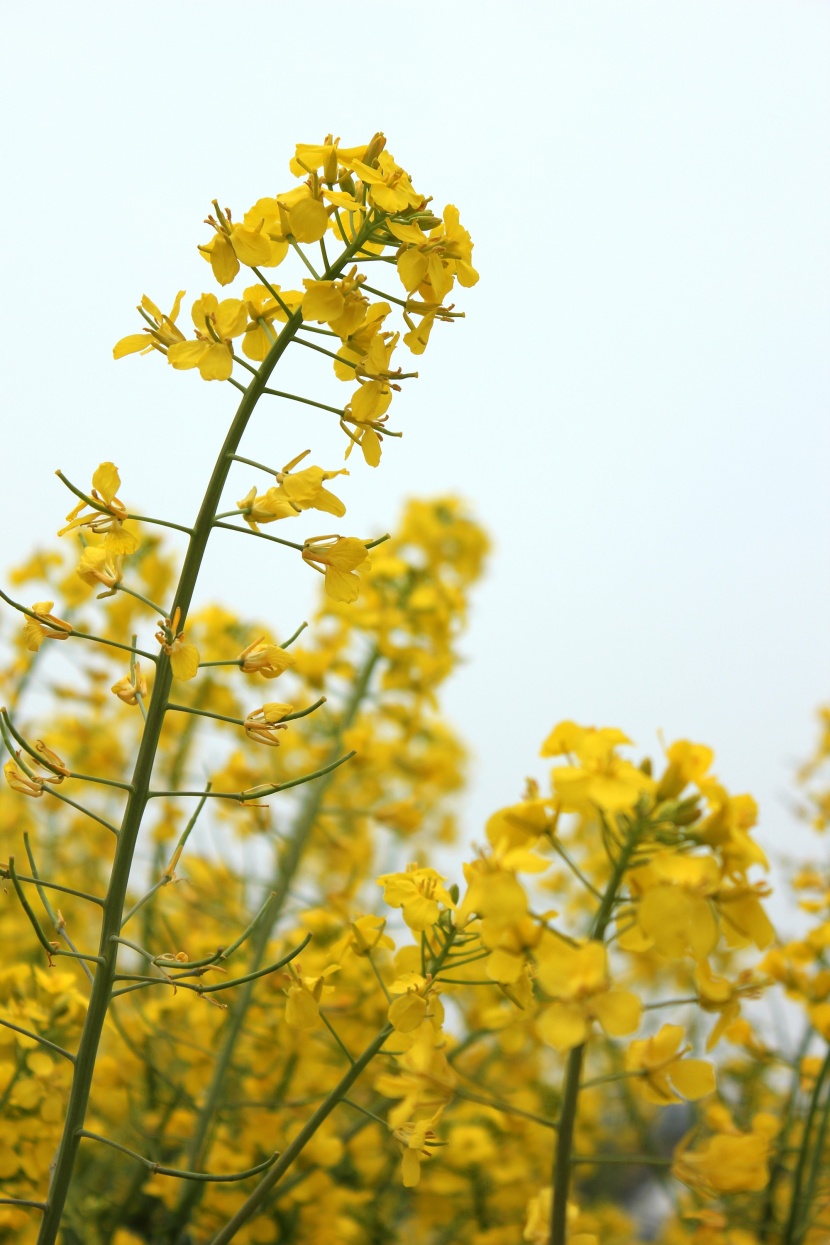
(296, 1147)
(570, 1094)
(767, 1218)
(138, 797)
(792, 1232)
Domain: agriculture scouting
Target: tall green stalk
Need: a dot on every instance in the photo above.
(139, 794)
(573, 1070)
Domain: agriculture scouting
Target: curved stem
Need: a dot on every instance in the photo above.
(138, 797)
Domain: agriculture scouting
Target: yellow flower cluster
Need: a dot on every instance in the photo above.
(252, 989)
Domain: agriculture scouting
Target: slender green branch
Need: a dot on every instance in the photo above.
(377, 973)
(287, 644)
(817, 1165)
(499, 1104)
(78, 635)
(55, 769)
(178, 1172)
(258, 793)
(293, 397)
(792, 1234)
(249, 531)
(54, 886)
(58, 923)
(336, 1036)
(274, 293)
(169, 873)
(59, 1050)
(304, 258)
(131, 592)
(252, 1204)
(574, 867)
(221, 717)
(81, 808)
(561, 1179)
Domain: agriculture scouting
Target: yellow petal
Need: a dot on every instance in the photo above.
(618, 1012)
(302, 1010)
(252, 247)
(411, 1169)
(693, 1078)
(216, 363)
(309, 220)
(184, 660)
(131, 344)
(407, 1012)
(322, 301)
(106, 480)
(563, 1026)
(370, 444)
(184, 355)
(342, 585)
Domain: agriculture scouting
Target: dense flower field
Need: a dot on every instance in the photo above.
(248, 989)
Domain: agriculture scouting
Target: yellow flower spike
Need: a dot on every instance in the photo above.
(130, 688)
(336, 557)
(261, 725)
(269, 660)
(45, 626)
(184, 656)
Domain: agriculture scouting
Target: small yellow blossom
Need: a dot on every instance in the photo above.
(418, 892)
(216, 325)
(261, 725)
(665, 1076)
(99, 565)
(269, 660)
(130, 688)
(576, 979)
(184, 656)
(419, 1140)
(161, 334)
(44, 626)
(109, 514)
(336, 557)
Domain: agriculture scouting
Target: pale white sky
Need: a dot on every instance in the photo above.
(637, 403)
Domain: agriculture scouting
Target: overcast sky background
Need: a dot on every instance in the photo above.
(636, 404)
